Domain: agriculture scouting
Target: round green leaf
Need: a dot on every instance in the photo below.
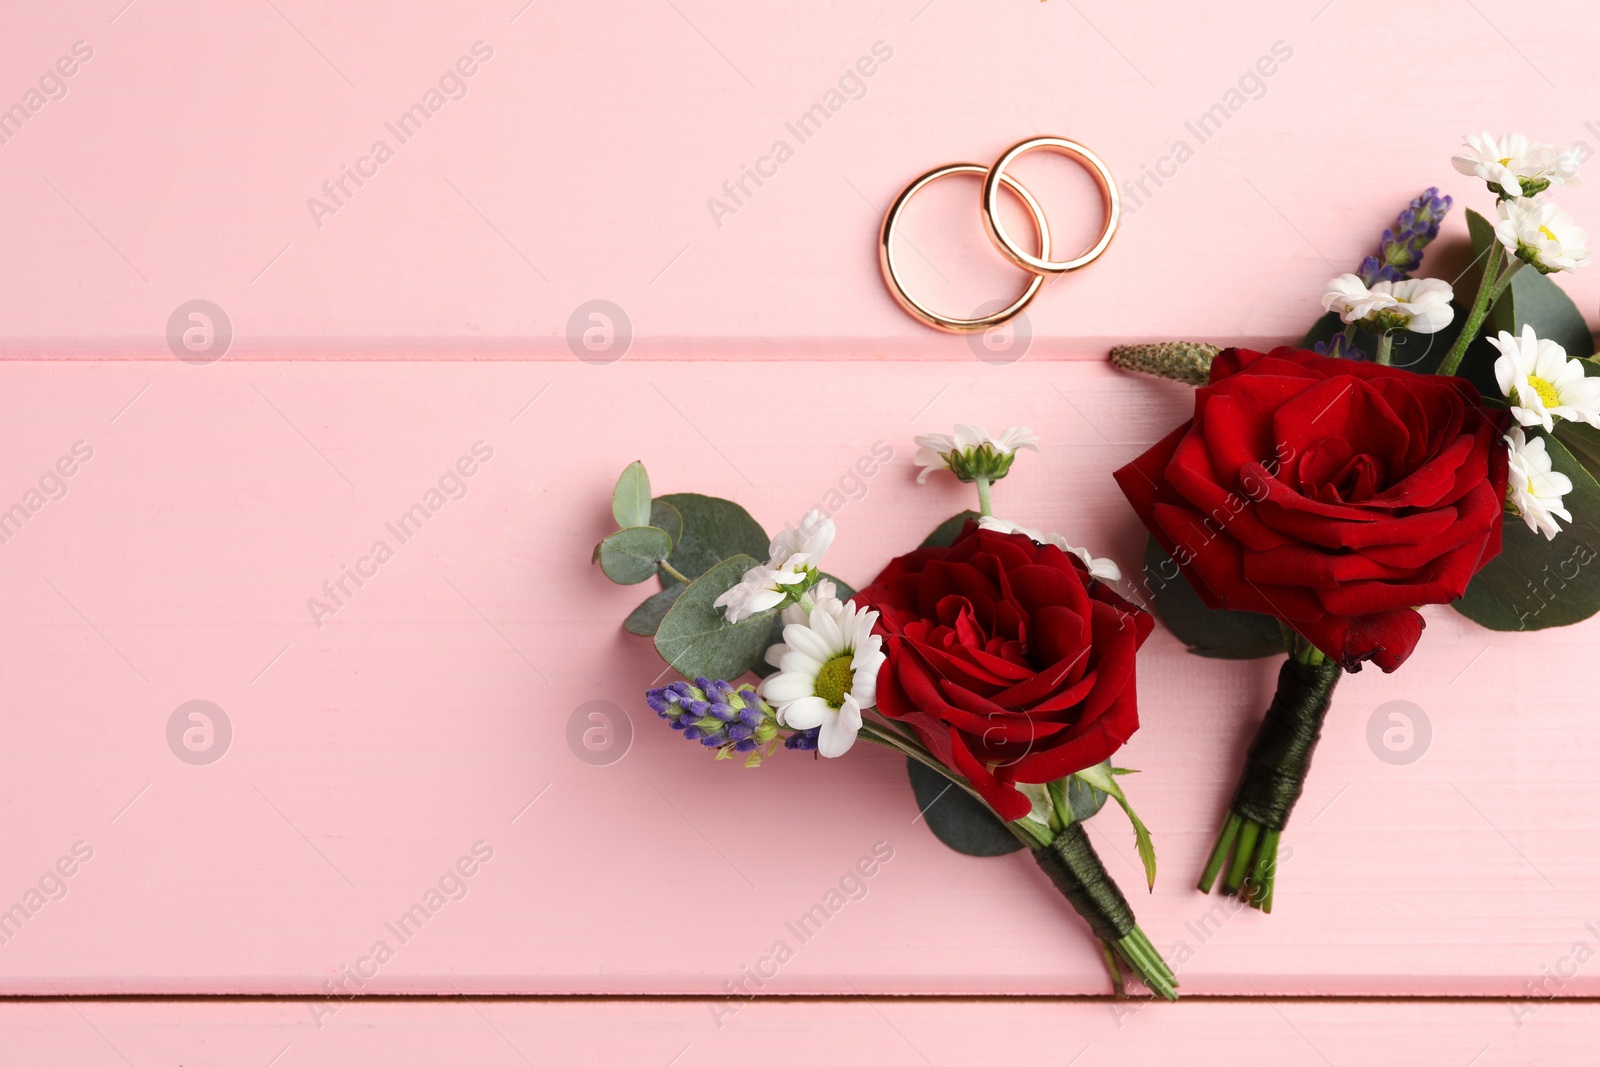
(663, 516)
(629, 556)
(948, 530)
(1534, 583)
(630, 500)
(698, 642)
(713, 530)
(1207, 631)
(645, 620)
(1084, 799)
(956, 818)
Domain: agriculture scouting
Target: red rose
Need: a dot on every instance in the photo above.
(1010, 662)
(1334, 494)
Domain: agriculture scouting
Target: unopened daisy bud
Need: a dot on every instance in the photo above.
(1181, 361)
(971, 454)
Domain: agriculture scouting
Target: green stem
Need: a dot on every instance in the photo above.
(1505, 280)
(1480, 309)
(673, 572)
(984, 507)
(1108, 950)
(1263, 871)
(1385, 348)
(1219, 854)
(879, 735)
(1242, 855)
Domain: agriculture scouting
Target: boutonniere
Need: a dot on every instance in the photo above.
(1412, 451)
(994, 657)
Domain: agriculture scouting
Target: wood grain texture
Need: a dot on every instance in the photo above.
(431, 711)
(891, 1032)
(583, 157)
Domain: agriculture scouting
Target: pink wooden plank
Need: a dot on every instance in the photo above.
(891, 1032)
(580, 162)
(370, 754)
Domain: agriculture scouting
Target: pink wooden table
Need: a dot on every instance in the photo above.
(383, 330)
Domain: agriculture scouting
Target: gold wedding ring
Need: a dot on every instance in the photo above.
(1040, 265)
(891, 274)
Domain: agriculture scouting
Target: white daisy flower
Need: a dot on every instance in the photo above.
(1542, 383)
(971, 452)
(1349, 296)
(1534, 490)
(792, 560)
(1514, 166)
(1104, 569)
(1421, 305)
(1543, 234)
(827, 672)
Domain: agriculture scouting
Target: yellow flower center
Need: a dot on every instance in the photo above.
(835, 679)
(1548, 235)
(1506, 162)
(1546, 392)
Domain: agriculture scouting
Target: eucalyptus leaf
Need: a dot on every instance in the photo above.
(956, 818)
(1583, 441)
(1085, 800)
(663, 516)
(629, 556)
(1211, 632)
(698, 642)
(645, 619)
(1534, 583)
(630, 500)
(947, 531)
(713, 530)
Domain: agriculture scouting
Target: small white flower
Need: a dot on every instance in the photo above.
(1421, 305)
(957, 452)
(1104, 569)
(1349, 296)
(1534, 490)
(1543, 234)
(1542, 383)
(827, 672)
(791, 558)
(1514, 166)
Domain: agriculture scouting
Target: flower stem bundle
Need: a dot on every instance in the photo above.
(1338, 487)
(994, 655)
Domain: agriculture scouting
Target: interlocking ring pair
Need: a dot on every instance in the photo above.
(1041, 266)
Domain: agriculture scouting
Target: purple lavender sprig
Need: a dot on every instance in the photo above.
(734, 721)
(1400, 250)
(1339, 346)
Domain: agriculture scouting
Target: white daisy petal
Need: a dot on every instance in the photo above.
(786, 686)
(838, 732)
(805, 713)
(1541, 383)
(1533, 489)
(1542, 233)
